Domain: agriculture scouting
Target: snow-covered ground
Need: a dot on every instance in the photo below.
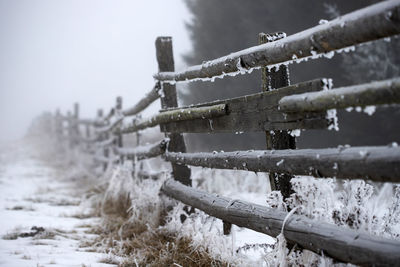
(33, 194)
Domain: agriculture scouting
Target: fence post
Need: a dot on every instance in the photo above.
(118, 110)
(70, 129)
(165, 59)
(58, 126)
(271, 80)
(103, 136)
(75, 124)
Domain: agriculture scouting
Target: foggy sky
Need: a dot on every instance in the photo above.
(57, 52)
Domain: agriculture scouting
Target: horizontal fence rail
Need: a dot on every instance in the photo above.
(380, 164)
(256, 112)
(374, 93)
(143, 152)
(337, 242)
(178, 115)
(364, 25)
(149, 98)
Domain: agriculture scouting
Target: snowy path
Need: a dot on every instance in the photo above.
(32, 194)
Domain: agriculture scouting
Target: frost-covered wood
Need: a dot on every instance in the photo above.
(277, 78)
(381, 163)
(374, 93)
(149, 98)
(165, 60)
(174, 115)
(367, 24)
(256, 112)
(143, 152)
(339, 243)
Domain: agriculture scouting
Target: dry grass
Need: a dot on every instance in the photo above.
(144, 246)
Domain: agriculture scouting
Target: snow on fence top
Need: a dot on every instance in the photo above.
(364, 25)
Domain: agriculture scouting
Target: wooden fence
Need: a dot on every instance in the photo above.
(276, 110)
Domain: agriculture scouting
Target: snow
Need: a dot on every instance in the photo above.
(32, 194)
(277, 46)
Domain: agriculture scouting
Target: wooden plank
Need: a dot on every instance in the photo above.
(273, 79)
(370, 23)
(256, 112)
(167, 116)
(143, 152)
(169, 99)
(337, 242)
(380, 163)
(149, 98)
(374, 93)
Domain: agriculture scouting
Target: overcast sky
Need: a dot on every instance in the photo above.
(57, 52)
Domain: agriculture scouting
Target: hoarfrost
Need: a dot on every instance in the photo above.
(370, 110)
(295, 133)
(393, 144)
(327, 84)
(322, 21)
(331, 115)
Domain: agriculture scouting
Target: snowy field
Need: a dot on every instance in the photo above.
(49, 200)
(33, 194)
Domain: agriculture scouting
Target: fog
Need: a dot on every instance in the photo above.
(55, 53)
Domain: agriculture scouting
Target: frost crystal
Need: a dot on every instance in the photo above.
(370, 110)
(322, 21)
(332, 117)
(295, 133)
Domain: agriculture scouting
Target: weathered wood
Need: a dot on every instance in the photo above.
(373, 93)
(273, 79)
(380, 163)
(364, 25)
(143, 152)
(337, 242)
(169, 99)
(256, 112)
(118, 135)
(167, 116)
(149, 98)
(75, 125)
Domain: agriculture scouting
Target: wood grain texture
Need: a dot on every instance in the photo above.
(165, 59)
(176, 115)
(373, 93)
(256, 112)
(381, 163)
(339, 243)
(364, 25)
(143, 152)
